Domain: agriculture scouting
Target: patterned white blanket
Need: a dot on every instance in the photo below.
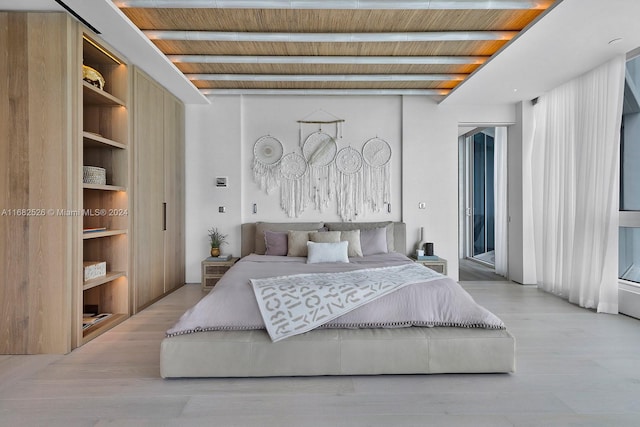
(295, 304)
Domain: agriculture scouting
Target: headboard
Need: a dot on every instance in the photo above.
(249, 230)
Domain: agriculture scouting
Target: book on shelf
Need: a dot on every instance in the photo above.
(220, 258)
(88, 321)
(94, 230)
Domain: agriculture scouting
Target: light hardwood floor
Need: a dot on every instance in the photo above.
(473, 271)
(574, 367)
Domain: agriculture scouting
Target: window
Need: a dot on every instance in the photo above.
(629, 233)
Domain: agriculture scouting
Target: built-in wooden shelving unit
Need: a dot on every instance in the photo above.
(105, 144)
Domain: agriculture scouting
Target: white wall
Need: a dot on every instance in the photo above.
(277, 116)
(423, 136)
(521, 244)
(213, 148)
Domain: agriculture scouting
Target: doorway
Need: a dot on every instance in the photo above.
(483, 198)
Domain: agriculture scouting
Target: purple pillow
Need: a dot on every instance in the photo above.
(276, 242)
(373, 241)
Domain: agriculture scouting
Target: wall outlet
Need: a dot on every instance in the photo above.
(222, 209)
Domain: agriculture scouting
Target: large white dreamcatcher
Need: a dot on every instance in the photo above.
(319, 150)
(350, 191)
(376, 153)
(293, 173)
(267, 153)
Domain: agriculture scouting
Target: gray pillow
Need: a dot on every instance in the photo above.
(374, 241)
(297, 242)
(276, 242)
(261, 227)
(324, 236)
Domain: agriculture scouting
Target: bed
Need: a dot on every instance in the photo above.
(205, 343)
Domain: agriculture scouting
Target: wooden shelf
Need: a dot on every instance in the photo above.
(105, 142)
(99, 234)
(103, 187)
(98, 141)
(112, 275)
(103, 326)
(94, 96)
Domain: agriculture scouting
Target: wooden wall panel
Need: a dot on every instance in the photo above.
(148, 146)
(36, 163)
(174, 190)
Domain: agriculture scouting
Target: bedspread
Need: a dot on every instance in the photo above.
(436, 301)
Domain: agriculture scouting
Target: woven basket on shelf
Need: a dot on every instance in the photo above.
(94, 175)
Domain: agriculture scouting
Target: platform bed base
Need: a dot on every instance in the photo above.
(338, 352)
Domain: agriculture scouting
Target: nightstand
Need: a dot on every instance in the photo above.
(212, 271)
(439, 265)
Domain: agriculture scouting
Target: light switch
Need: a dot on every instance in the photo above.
(422, 205)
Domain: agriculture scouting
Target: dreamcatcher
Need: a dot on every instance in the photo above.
(293, 173)
(376, 153)
(350, 191)
(267, 153)
(319, 150)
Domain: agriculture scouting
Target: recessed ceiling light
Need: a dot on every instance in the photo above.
(616, 40)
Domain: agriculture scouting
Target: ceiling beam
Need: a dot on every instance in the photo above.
(340, 4)
(338, 92)
(431, 36)
(369, 60)
(327, 77)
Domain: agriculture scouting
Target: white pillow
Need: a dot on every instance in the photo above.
(327, 252)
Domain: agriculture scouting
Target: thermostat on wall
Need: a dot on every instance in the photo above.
(222, 181)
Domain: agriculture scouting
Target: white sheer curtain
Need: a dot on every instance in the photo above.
(575, 178)
(500, 200)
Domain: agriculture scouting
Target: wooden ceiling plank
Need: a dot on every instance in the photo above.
(481, 48)
(318, 21)
(315, 60)
(324, 85)
(324, 68)
(314, 77)
(337, 4)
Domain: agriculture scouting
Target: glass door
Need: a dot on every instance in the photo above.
(481, 212)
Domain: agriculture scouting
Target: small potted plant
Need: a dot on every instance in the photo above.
(217, 239)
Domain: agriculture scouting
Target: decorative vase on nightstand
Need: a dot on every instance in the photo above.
(217, 239)
(421, 243)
